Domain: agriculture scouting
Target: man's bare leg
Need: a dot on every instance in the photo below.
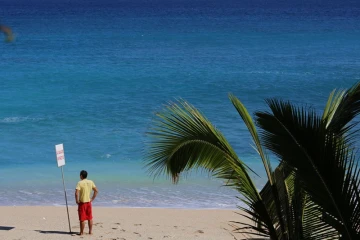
(82, 226)
(90, 223)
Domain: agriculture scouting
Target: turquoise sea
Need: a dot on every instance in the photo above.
(91, 74)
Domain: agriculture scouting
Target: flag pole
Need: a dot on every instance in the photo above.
(67, 208)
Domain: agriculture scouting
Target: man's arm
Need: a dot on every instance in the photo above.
(94, 195)
(77, 196)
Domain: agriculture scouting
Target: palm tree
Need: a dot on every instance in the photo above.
(314, 191)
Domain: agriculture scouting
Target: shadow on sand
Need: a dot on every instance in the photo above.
(54, 232)
(3, 228)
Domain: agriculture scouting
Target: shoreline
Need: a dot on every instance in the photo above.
(40, 222)
(123, 207)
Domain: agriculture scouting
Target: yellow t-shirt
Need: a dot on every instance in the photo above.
(85, 187)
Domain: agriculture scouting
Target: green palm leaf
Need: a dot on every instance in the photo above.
(183, 139)
(342, 107)
(300, 138)
(312, 194)
(275, 196)
(244, 114)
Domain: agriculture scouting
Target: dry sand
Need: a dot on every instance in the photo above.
(118, 223)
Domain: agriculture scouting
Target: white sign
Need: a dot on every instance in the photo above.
(60, 155)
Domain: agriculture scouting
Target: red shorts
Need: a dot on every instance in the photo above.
(85, 211)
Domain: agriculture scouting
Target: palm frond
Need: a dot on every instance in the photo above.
(312, 194)
(183, 139)
(300, 138)
(275, 199)
(341, 109)
(244, 114)
(332, 105)
(306, 216)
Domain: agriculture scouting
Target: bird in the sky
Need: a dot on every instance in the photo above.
(9, 36)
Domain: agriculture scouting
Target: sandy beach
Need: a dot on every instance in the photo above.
(118, 223)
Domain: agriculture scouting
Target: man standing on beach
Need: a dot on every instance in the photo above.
(83, 200)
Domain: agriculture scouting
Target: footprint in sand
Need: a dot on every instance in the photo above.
(114, 228)
(199, 231)
(137, 234)
(138, 224)
(96, 224)
(117, 223)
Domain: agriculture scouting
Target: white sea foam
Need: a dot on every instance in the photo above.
(278, 73)
(19, 119)
(25, 192)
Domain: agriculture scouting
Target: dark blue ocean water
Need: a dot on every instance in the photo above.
(90, 74)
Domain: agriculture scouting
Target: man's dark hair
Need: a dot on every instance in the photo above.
(83, 173)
